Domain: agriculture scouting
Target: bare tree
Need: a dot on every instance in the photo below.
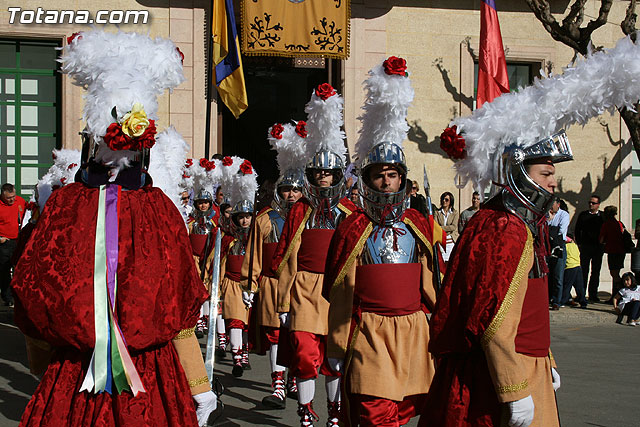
(572, 33)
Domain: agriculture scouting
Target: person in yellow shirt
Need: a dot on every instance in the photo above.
(573, 276)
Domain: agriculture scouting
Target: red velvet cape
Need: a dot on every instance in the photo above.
(480, 270)
(159, 294)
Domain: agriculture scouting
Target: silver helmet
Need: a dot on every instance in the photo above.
(383, 208)
(203, 195)
(325, 160)
(291, 178)
(242, 207)
(522, 195)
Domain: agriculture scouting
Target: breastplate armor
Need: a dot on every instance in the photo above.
(322, 220)
(277, 222)
(203, 224)
(238, 248)
(380, 245)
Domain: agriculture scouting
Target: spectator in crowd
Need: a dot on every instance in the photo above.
(558, 226)
(466, 214)
(355, 196)
(186, 209)
(418, 201)
(12, 208)
(588, 227)
(627, 300)
(573, 276)
(448, 218)
(611, 238)
(219, 199)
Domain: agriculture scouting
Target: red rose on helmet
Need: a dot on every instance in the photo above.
(117, 140)
(324, 91)
(72, 165)
(246, 168)
(72, 37)
(395, 65)
(452, 143)
(189, 163)
(203, 162)
(148, 138)
(227, 161)
(185, 176)
(63, 180)
(276, 131)
(301, 129)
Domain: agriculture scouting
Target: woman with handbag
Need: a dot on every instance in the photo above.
(612, 237)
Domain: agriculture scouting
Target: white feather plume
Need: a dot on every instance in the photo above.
(236, 185)
(291, 149)
(324, 124)
(65, 166)
(118, 70)
(601, 82)
(167, 159)
(384, 119)
(205, 179)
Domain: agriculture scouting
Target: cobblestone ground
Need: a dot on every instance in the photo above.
(597, 361)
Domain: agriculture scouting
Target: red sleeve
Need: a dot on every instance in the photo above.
(477, 279)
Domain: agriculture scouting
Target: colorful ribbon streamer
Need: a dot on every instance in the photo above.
(110, 363)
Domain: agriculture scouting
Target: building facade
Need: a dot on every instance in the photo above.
(40, 109)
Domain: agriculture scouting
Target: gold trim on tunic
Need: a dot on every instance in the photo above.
(521, 270)
(185, 333)
(198, 381)
(513, 387)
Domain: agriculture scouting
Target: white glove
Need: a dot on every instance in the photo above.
(555, 377)
(521, 412)
(247, 298)
(206, 403)
(284, 319)
(336, 364)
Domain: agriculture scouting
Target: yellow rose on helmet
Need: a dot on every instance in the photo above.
(135, 122)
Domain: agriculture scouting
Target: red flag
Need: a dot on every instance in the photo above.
(493, 79)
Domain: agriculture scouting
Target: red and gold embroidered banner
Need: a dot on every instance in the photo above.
(296, 28)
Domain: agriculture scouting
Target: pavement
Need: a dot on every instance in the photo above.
(597, 360)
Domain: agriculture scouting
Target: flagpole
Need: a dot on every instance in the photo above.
(209, 85)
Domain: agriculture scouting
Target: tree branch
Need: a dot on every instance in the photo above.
(628, 25)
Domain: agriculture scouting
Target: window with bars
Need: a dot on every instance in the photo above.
(29, 114)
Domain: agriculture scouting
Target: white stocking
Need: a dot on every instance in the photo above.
(306, 390)
(220, 327)
(235, 337)
(332, 384)
(204, 310)
(273, 356)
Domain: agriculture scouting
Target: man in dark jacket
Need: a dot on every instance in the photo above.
(587, 230)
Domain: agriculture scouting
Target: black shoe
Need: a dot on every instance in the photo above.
(594, 299)
(555, 307)
(274, 402)
(246, 366)
(220, 353)
(237, 371)
(199, 333)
